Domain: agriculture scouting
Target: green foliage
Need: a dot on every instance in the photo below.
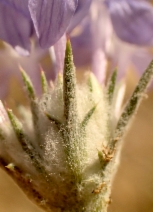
(132, 105)
(44, 82)
(111, 86)
(67, 147)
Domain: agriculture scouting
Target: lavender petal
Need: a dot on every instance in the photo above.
(132, 20)
(51, 18)
(15, 25)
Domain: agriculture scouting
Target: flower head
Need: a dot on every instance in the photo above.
(68, 145)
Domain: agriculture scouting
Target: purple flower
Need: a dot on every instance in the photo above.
(81, 11)
(132, 23)
(49, 18)
(92, 40)
(15, 24)
(132, 20)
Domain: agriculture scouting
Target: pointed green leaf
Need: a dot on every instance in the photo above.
(111, 86)
(132, 104)
(33, 104)
(26, 144)
(70, 129)
(44, 82)
(28, 84)
(93, 83)
(59, 80)
(54, 120)
(88, 116)
(69, 86)
(90, 84)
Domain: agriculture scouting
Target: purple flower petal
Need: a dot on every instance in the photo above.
(51, 18)
(80, 13)
(15, 24)
(132, 20)
(18, 5)
(59, 49)
(82, 45)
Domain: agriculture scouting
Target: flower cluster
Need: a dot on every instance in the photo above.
(68, 145)
(50, 19)
(121, 26)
